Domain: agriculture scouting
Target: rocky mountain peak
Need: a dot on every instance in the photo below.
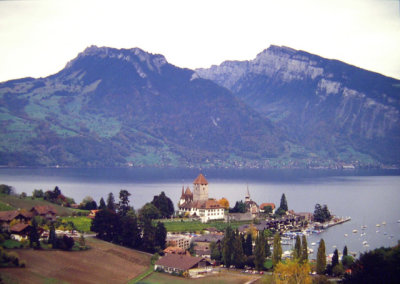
(133, 55)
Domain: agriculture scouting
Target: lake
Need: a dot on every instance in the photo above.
(368, 197)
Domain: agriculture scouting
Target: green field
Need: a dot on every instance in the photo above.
(197, 226)
(12, 202)
(82, 223)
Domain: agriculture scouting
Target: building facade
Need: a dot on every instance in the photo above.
(198, 204)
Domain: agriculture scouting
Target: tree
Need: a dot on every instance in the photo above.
(227, 246)
(304, 249)
(248, 245)
(37, 193)
(277, 251)
(111, 201)
(148, 240)
(34, 235)
(160, 236)
(240, 207)
(345, 251)
(52, 236)
(130, 233)
(215, 251)
(259, 252)
(267, 209)
(149, 212)
(123, 205)
(164, 205)
(6, 189)
(102, 204)
(283, 205)
(321, 213)
(224, 202)
(321, 257)
(292, 272)
(335, 258)
(267, 246)
(106, 225)
(238, 256)
(88, 203)
(56, 192)
(297, 248)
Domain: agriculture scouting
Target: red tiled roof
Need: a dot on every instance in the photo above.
(188, 192)
(181, 262)
(200, 180)
(44, 209)
(17, 228)
(176, 250)
(267, 204)
(8, 215)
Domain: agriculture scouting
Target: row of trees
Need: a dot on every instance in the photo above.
(321, 213)
(237, 249)
(119, 223)
(336, 268)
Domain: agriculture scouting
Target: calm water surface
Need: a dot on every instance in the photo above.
(369, 197)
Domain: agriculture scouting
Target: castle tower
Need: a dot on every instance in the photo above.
(200, 191)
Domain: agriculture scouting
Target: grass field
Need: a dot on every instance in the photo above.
(82, 223)
(197, 226)
(14, 202)
(222, 277)
(103, 263)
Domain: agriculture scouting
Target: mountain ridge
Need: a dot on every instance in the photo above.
(126, 107)
(302, 91)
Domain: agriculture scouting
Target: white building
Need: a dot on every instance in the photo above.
(197, 204)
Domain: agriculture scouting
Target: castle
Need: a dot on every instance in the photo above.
(198, 204)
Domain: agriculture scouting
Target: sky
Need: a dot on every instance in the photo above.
(38, 38)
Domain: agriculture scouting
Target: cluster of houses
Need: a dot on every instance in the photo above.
(18, 222)
(197, 204)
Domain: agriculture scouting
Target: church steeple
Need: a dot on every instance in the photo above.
(247, 197)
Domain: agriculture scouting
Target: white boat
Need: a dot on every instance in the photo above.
(384, 223)
(313, 244)
(378, 225)
(345, 235)
(355, 231)
(365, 243)
(377, 231)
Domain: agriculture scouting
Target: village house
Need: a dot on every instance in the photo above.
(6, 217)
(174, 250)
(251, 206)
(46, 212)
(180, 241)
(20, 231)
(179, 264)
(272, 205)
(198, 204)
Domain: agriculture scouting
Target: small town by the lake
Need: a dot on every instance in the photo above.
(196, 238)
(182, 141)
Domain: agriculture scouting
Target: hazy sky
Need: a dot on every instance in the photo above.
(37, 38)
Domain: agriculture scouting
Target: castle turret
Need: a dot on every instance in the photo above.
(200, 191)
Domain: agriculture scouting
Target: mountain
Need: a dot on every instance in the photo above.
(336, 111)
(116, 107)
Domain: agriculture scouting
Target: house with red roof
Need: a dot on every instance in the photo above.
(46, 212)
(175, 263)
(272, 205)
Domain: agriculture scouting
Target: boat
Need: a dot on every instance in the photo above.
(313, 244)
(345, 235)
(363, 227)
(362, 234)
(355, 231)
(365, 243)
(384, 223)
(377, 231)
(378, 225)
